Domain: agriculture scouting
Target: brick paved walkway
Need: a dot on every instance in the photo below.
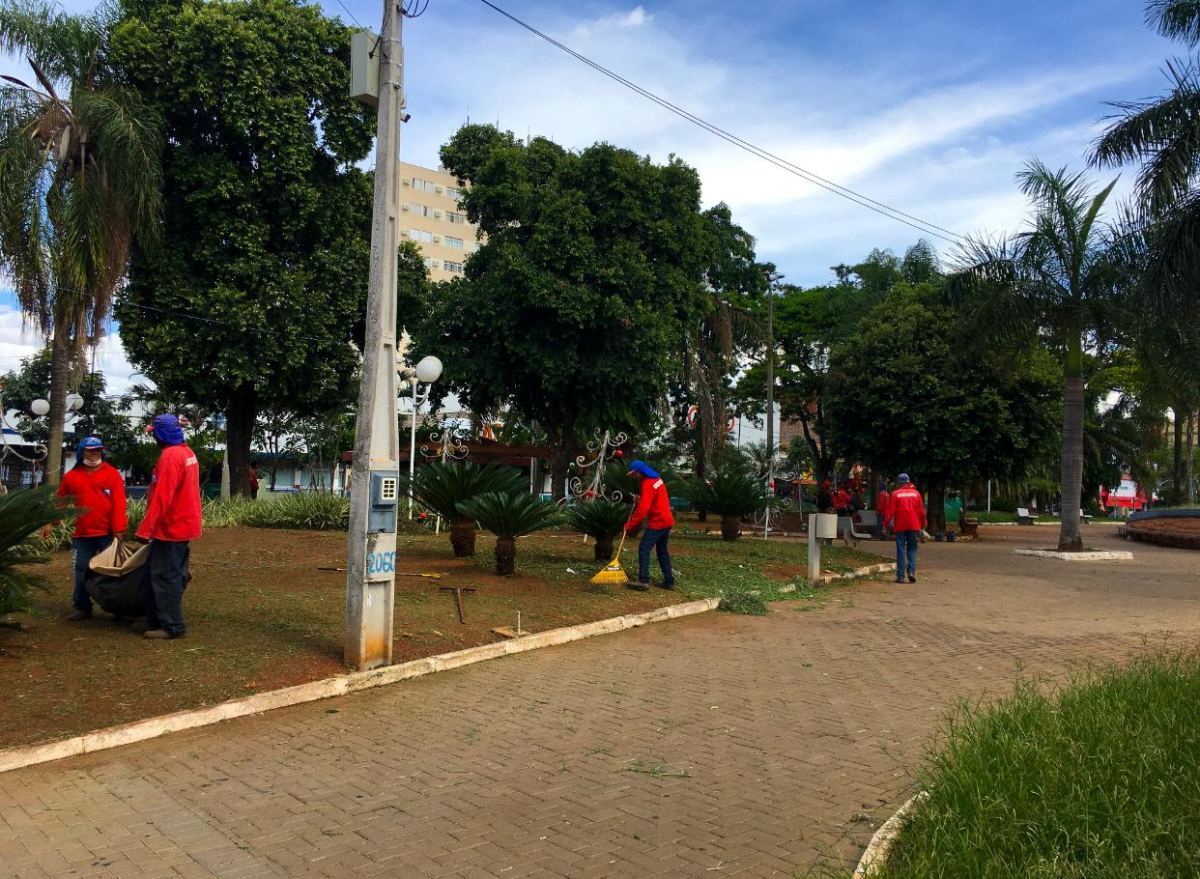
(716, 746)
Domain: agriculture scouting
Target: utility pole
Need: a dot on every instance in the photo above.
(772, 277)
(371, 551)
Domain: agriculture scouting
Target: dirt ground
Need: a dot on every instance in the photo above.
(266, 611)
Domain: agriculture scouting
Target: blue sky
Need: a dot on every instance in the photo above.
(928, 106)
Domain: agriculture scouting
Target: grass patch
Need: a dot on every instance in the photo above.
(1099, 779)
(744, 603)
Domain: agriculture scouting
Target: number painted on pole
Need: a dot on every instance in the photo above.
(381, 563)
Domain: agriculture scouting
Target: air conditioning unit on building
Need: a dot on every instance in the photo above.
(404, 180)
(404, 207)
(437, 215)
(438, 188)
(437, 239)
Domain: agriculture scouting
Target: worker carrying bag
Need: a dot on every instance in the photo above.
(118, 579)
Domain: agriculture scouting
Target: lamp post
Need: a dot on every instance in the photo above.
(428, 370)
(772, 278)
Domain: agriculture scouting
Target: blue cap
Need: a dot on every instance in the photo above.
(643, 468)
(90, 442)
(168, 430)
(902, 478)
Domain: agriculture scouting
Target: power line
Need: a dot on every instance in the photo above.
(858, 198)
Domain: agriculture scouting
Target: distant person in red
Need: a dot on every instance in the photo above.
(906, 515)
(653, 507)
(253, 483)
(825, 496)
(843, 500)
(881, 505)
(99, 495)
(172, 521)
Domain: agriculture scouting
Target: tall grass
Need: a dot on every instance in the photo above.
(1099, 780)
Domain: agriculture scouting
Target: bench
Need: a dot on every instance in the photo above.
(1023, 517)
(1085, 518)
(968, 527)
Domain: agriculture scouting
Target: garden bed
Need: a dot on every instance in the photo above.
(262, 614)
(1179, 529)
(1098, 780)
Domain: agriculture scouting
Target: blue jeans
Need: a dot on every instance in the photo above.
(84, 549)
(656, 539)
(906, 553)
(168, 579)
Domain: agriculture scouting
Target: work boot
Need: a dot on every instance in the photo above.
(638, 586)
(78, 616)
(670, 585)
(912, 578)
(160, 635)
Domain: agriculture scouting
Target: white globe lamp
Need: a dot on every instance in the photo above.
(74, 402)
(429, 369)
(39, 407)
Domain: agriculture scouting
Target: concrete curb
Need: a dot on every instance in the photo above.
(141, 730)
(880, 846)
(1086, 556)
(826, 579)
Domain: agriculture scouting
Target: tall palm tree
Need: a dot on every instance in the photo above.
(80, 182)
(1060, 275)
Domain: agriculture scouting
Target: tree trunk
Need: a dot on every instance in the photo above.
(1071, 482)
(560, 465)
(731, 528)
(60, 364)
(240, 416)
(936, 512)
(462, 538)
(506, 555)
(1177, 492)
(1190, 469)
(604, 549)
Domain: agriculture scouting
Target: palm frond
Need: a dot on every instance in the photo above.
(1177, 19)
(62, 45)
(510, 515)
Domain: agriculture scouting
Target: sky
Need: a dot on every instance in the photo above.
(930, 107)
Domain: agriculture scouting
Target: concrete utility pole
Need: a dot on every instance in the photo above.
(772, 277)
(374, 495)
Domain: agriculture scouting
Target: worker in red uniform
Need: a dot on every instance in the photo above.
(172, 521)
(843, 500)
(906, 515)
(881, 505)
(98, 492)
(653, 507)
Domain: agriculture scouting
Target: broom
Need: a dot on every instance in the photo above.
(613, 574)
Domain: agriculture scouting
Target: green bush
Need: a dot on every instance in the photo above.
(744, 603)
(442, 487)
(600, 519)
(312, 511)
(22, 515)
(730, 494)
(1099, 780)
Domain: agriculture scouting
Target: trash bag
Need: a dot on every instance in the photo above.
(118, 579)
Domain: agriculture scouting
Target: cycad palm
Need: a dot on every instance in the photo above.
(510, 516)
(1057, 278)
(79, 184)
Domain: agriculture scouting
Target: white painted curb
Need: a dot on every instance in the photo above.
(880, 846)
(1089, 556)
(140, 730)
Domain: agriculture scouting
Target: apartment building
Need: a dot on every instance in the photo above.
(430, 216)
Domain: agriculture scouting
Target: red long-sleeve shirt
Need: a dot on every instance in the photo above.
(173, 503)
(905, 509)
(99, 495)
(654, 506)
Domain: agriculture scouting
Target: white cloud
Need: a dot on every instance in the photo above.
(18, 342)
(635, 17)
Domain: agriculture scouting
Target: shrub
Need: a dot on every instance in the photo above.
(313, 511)
(135, 512)
(442, 487)
(510, 516)
(1099, 780)
(731, 494)
(745, 603)
(601, 519)
(22, 515)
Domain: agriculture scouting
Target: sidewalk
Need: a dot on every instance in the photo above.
(716, 746)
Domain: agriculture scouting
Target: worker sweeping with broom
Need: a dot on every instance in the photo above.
(654, 508)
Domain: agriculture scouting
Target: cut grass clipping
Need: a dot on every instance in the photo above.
(1099, 780)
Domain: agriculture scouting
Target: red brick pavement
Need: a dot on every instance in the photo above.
(715, 746)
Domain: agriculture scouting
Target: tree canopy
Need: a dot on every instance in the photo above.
(260, 284)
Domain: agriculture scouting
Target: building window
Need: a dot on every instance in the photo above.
(456, 217)
(418, 235)
(452, 192)
(455, 267)
(422, 185)
(421, 210)
(453, 242)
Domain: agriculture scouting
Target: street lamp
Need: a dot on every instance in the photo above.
(428, 370)
(40, 407)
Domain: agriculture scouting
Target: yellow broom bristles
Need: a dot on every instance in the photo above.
(612, 574)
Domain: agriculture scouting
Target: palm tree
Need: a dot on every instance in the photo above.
(443, 487)
(602, 519)
(80, 183)
(731, 493)
(1058, 278)
(510, 516)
